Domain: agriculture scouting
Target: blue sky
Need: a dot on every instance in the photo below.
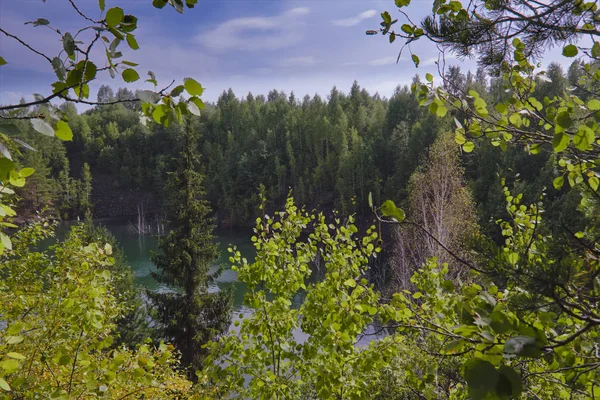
(249, 45)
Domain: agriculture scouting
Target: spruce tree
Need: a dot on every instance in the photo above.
(189, 314)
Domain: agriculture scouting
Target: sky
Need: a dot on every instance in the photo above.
(253, 46)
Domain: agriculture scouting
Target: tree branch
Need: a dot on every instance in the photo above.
(26, 45)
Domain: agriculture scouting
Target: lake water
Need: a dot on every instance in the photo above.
(138, 250)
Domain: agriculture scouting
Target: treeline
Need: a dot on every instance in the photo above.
(332, 152)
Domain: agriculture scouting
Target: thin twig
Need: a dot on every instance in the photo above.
(26, 45)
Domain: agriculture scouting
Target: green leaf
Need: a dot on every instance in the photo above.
(158, 113)
(193, 108)
(481, 376)
(114, 16)
(39, 22)
(429, 77)
(6, 165)
(500, 322)
(9, 129)
(132, 42)
(524, 346)
(2, 61)
(4, 385)
(448, 286)
(199, 103)
(14, 340)
(480, 107)
(453, 346)
(63, 131)
(402, 3)
(177, 90)
(130, 75)
(82, 91)
(370, 199)
(101, 4)
(584, 138)
(148, 96)
(509, 383)
(468, 147)
(535, 103)
(408, 29)
(516, 120)
(69, 44)
(389, 209)
(59, 68)
(42, 126)
(5, 152)
(560, 142)
(570, 50)
(386, 17)
(441, 110)
(488, 336)
(594, 182)
(90, 70)
(594, 104)
(501, 108)
(25, 172)
(415, 60)
(16, 179)
(16, 356)
(350, 282)
(159, 3)
(558, 182)
(596, 50)
(64, 360)
(5, 241)
(193, 87)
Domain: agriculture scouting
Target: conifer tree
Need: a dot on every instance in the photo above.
(189, 314)
(85, 201)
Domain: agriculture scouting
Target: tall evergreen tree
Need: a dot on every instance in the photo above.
(85, 190)
(189, 314)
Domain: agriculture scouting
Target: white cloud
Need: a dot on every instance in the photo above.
(256, 33)
(383, 61)
(306, 61)
(355, 20)
(298, 11)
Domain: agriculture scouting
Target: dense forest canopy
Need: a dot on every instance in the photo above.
(457, 219)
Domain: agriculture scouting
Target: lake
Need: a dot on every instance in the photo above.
(138, 249)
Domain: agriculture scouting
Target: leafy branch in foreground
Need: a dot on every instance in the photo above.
(60, 310)
(542, 288)
(75, 69)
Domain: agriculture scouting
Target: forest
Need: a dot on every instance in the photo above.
(441, 243)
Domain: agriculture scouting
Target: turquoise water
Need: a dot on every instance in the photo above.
(138, 250)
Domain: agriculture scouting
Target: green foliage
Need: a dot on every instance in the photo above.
(59, 309)
(133, 327)
(539, 271)
(75, 67)
(190, 316)
(332, 153)
(269, 357)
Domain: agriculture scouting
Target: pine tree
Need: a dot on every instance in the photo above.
(189, 314)
(85, 190)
